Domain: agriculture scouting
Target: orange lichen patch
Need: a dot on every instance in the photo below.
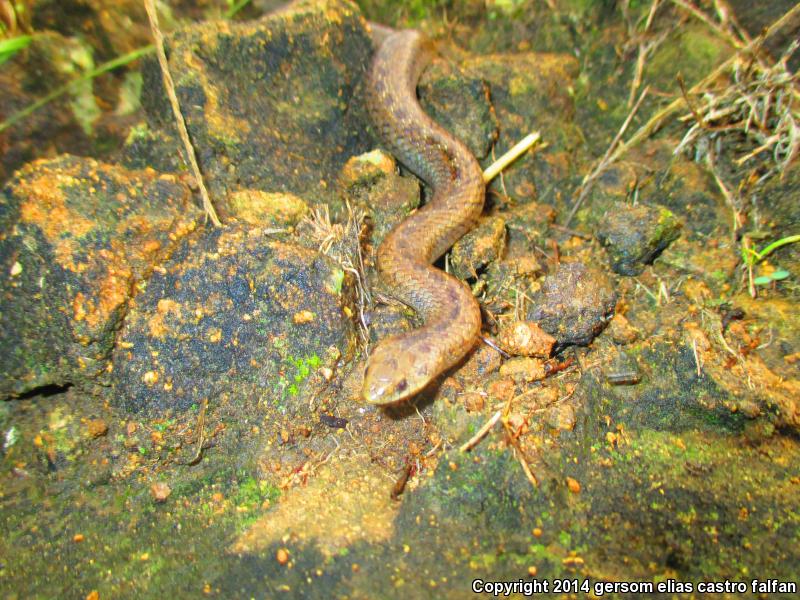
(334, 510)
(221, 124)
(368, 165)
(524, 369)
(156, 324)
(45, 206)
(303, 316)
(266, 208)
(79, 308)
(525, 338)
(113, 292)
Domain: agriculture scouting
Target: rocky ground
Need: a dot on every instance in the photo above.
(181, 407)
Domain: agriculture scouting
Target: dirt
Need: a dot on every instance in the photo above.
(182, 411)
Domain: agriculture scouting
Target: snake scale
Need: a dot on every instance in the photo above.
(402, 365)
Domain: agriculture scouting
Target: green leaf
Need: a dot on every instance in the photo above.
(10, 47)
(763, 280)
(779, 274)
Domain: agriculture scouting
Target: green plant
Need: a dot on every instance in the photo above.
(751, 258)
(774, 276)
(11, 46)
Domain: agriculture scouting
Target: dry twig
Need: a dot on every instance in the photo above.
(176, 111)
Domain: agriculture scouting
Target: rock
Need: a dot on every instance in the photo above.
(269, 103)
(97, 428)
(530, 92)
(519, 272)
(371, 182)
(621, 330)
(635, 235)
(473, 401)
(479, 248)
(502, 389)
(76, 238)
(389, 319)
(267, 209)
(110, 28)
(460, 103)
(574, 304)
(524, 369)
(524, 338)
(528, 224)
(218, 321)
(561, 417)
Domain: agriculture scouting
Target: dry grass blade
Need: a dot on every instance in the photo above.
(605, 162)
(657, 120)
(760, 105)
(343, 243)
(176, 110)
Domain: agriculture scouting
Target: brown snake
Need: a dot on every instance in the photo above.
(402, 365)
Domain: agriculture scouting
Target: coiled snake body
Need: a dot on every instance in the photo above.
(402, 365)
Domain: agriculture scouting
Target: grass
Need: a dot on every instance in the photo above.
(751, 258)
(120, 61)
(11, 46)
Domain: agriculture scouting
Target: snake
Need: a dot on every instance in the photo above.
(402, 365)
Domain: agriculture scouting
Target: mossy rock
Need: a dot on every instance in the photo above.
(76, 237)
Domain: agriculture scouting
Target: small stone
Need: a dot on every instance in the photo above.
(635, 235)
(160, 491)
(459, 101)
(502, 389)
(473, 401)
(574, 304)
(97, 428)
(282, 556)
(524, 369)
(621, 330)
(561, 417)
(368, 166)
(304, 316)
(479, 248)
(573, 485)
(525, 338)
(276, 209)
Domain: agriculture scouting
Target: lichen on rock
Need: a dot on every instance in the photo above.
(76, 237)
(234, 314)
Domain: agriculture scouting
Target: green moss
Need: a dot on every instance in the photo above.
(252, 492)
(337, 279)
(694, 53)
(295, 373)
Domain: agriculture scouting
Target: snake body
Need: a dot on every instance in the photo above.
(402, 365)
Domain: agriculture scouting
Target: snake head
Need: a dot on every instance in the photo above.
(393, 374)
